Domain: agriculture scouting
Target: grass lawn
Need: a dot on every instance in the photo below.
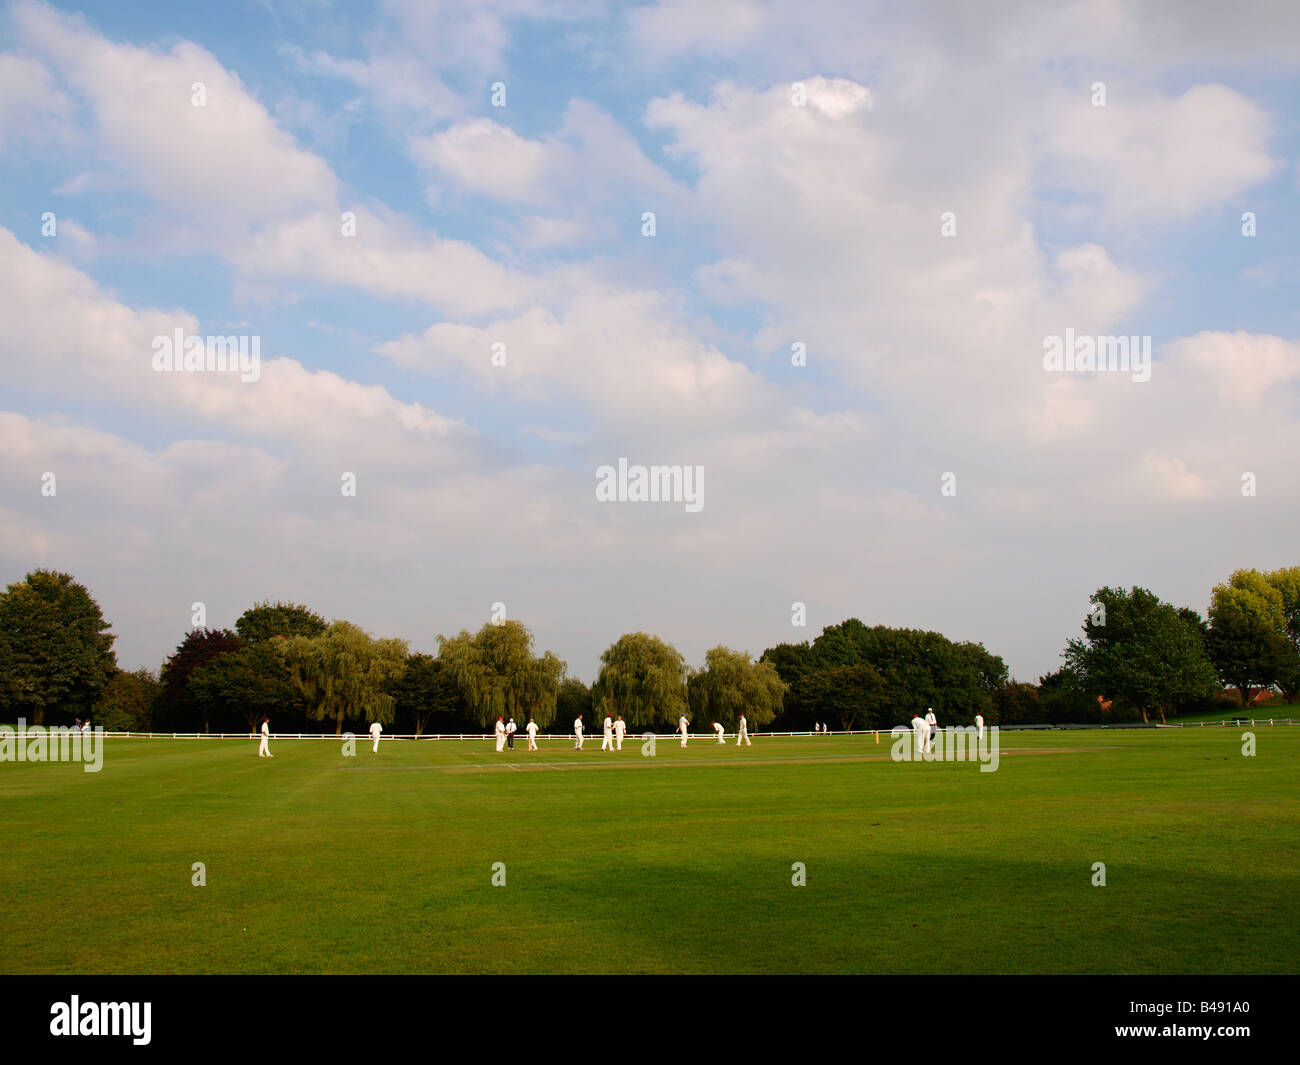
(678, 863)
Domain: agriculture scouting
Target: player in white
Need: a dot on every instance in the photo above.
(500, 730)
(375, 729)
(531, 729)
(682, 726)
(979, 724)
(921, 731)
(264, 751)
(607, 744)
(722, 736)
(743, 734)
(620, 727)
(932, 726)
(577, 733)
(511, 729)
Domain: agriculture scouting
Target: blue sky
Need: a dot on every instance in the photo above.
(778, 222)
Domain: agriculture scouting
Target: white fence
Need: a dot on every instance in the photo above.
(701, 737)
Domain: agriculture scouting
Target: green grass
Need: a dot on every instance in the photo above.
(1259, 713)
(678, 863)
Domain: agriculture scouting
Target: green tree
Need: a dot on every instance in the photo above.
(345, 673)
(1247, 651)
(731, 684)
(643, 678)
(851, 695)
(574, 698)
(1286, 581)
(252, 683)
(177, 708)
(265, 621)
(499, 675)
(127, 704)
(57, 652)
(426, 690)
(1140, 653)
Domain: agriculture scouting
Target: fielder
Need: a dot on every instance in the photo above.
(722, 736)
(607, 744)
(501, 735)
(577, 733)
(620, 727)
(921, 731)
(932, 726)
(375, 729)
(682, 726)
(743, 734)
(979, 724)
(264, 751)
(532, 734)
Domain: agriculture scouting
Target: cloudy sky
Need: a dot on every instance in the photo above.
(435, 219)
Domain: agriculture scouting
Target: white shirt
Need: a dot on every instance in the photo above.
(930, 719)
(717, 727)
(375, 729)
(743, 726)
(918, 723)
(266, 729)
(609, 725)
(501, 726)
(577, 726)
(681, 725)
(532, 728)
(979, 720)
(620, 726)
(511, 727)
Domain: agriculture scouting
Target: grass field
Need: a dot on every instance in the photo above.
(678, 863)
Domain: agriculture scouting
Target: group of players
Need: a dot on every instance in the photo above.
(614, 729)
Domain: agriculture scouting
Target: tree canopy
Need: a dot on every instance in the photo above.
(56, 652)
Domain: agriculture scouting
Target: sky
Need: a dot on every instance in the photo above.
(815, 252)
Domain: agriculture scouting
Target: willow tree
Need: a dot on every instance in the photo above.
(643, 678)
(343, 673)
(731, 684)
(499, 676)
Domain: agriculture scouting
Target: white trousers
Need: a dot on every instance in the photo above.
(722, 737)
(532, 743)
(607, 744)
(618, 741)
(683, 737)
(375, 748)
(743, 734)
(264, 750)
(501, 741)
(577, 741)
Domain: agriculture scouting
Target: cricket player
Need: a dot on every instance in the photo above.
(500, 730)
(511, 729)
(921, 731)
(620, 727)
(979, 724)
(743, 734)
(264, 751)
(532, 734)
(577, 733)
(375, 729)
(932, 724)
(607, 744)
(682, 726)
(722, 736)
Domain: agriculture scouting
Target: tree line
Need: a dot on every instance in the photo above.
(1137, 658)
